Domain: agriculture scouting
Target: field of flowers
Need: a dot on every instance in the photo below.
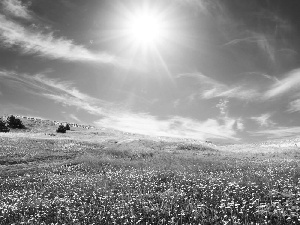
(98, 184)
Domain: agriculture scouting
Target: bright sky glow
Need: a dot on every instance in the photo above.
(145, 28)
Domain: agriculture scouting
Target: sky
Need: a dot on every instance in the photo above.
(218, 70)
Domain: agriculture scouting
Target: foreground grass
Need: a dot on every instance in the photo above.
(113, 184)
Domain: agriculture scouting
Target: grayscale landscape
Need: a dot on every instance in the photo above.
(149, 112)
(99, 176)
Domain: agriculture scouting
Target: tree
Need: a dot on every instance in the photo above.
(14, 123)
(3, 127)
(67, 127)
(61, 129)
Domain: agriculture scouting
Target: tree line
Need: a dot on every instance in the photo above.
(15, 123)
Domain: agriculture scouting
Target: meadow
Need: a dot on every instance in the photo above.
(66, 181)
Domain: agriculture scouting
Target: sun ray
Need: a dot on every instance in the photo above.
(163, 64)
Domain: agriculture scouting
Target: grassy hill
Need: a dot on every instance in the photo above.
(99, 176)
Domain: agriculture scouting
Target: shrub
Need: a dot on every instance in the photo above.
(14, 122)
(61, 129)
(67, 126)
(3, 127)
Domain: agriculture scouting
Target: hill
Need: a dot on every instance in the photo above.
(92, 175)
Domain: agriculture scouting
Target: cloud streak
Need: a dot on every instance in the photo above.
(263, 120)
(210, 88)
(29, 41)
(223, 105)
(260, 40)
(16, 8)
(80, 104)
(59, 91)
(279, 132)
(72, 116)
(290, 83)
(177, 127)
(113, 117)
(294, 106)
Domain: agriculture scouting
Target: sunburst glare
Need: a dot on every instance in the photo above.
(147, 31)
(145, 28)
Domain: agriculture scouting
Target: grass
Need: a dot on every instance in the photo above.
(143, 182)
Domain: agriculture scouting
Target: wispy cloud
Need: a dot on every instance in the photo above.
(121, 119)
(210, 88)
(237, 92)
(236, 124)
(72, 116)
(259, 39)
(203, 6)
(199, 5)
(290, 83)
(40, 82)
(146, 124)
(239, 124)
(269, 77)
(223, 105)
(16, 9)
(79, 103)
(31, 41)
(60, 91)
(13, 108)
(265, 45)
(57, 86)
(294, 106)
(263, 120)
(279, 132)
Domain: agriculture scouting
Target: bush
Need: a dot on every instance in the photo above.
(67, 126)
(14, 123)
(61, 129)
(3, 127)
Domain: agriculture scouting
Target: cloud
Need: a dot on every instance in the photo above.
(289, 83)
(294, 106)
(239, 124)
(72, 116)
(267, 76)
(10, 108)
(59, 91)
(210, 88)
(265, 45)
(16, 9)
(56, 86)
(176, 103)
(79, 103)
(40, 83)
(279, 132)
(223, 105)
(113, 117)
(207, 7)
(200, 5)
(259, 39)
(237, 92)
(263, 120)
(29, 41)
(178, 127)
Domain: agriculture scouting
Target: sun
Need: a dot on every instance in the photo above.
(146, 28)
(146, 31)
